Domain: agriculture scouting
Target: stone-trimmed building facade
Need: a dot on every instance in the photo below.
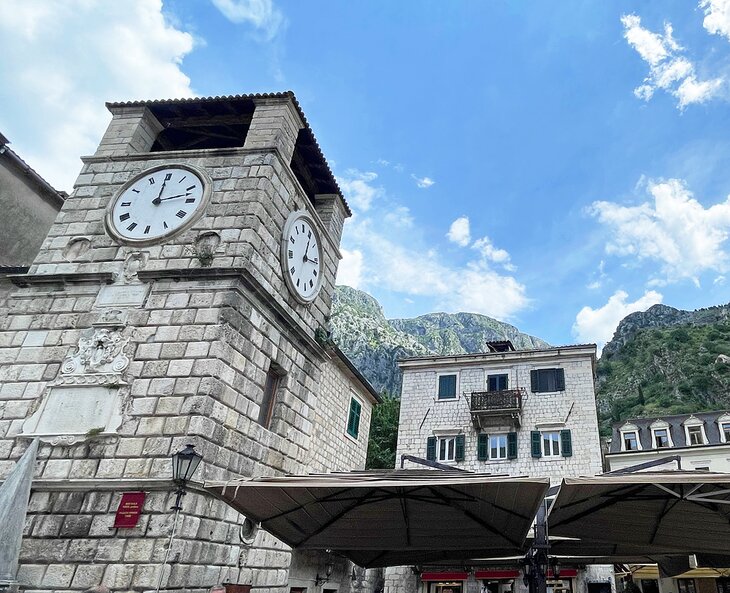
(115, 353)
(519, 413)
(700, 440)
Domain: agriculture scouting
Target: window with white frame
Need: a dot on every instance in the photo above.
(447, 386)
(497, 446)
(695, 435)
(551, 444)
(661, 438)
(447, 448)
(498, 382)
(724, 423)
(630, 440)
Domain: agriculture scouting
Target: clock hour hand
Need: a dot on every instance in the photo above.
(157, 199)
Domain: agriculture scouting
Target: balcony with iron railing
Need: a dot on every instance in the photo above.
(495, 407)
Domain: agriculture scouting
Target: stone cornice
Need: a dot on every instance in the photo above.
(24, 280)
(519, 356)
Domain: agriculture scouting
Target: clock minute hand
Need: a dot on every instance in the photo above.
(158, 200)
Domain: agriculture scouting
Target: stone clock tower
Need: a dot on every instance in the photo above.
(178, 298)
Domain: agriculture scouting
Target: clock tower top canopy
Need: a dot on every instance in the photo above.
(263, 122)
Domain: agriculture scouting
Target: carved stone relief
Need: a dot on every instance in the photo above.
(85, 400)
(102, 352)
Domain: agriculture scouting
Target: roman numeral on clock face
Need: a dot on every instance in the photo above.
(131, 226)
(181, 213)
(124, 216)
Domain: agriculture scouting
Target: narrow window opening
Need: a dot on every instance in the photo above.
(268, 402)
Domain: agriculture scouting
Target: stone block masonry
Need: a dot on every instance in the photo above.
(151, 347)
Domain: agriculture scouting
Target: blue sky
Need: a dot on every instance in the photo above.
(555, 165)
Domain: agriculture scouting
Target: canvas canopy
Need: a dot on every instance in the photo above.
(391, 518)
(655, 513)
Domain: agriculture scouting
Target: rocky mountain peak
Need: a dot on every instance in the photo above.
(375, 343)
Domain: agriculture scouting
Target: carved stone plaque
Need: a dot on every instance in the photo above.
(72, 413)
(125, 295)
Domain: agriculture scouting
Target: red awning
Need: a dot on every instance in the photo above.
(497, 574)
(444, 576)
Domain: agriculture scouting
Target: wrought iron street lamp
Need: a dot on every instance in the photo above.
(184, 464)
(328, 570)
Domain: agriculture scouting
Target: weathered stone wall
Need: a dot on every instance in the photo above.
(423, 415)
(27, 212)
(332, 449)
(197, 347)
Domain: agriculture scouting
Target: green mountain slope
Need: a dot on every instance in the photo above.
(665, 361)
(375, 343)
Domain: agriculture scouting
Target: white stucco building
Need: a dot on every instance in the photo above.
(519, 413)
(700, 440)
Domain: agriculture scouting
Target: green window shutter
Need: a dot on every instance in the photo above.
(353, 419)
(460, 442)
(533, 381)
(431, 449)
(511, 445)
(566, 443)
(560, 379)
(535, 441)
(447, 387)
(482, 446)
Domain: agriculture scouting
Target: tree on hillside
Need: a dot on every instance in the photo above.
(383, 434)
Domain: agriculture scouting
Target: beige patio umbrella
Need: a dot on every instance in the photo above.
(655, 512)
(391, 518)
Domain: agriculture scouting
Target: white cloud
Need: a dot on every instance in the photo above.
(717, 17)
(390, 262)
(423, 182)
(598, 325)
(349, 272)
(399, 216)
(358, 189)
(668, 69)
(68, 58)
(261, 14)
(675, 231)
(490, 252)
(459, 232)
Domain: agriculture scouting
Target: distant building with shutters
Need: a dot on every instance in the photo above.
(505, 411)
(699, 441)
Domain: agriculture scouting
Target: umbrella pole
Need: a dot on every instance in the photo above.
(537, 559)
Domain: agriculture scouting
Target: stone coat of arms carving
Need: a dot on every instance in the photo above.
(99, 353)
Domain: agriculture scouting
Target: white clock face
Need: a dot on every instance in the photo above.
(157, 203)
(302, 257)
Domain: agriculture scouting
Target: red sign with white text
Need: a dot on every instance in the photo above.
(129, 510)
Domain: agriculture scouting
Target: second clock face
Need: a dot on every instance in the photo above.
(302, 257)
(157, 203)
